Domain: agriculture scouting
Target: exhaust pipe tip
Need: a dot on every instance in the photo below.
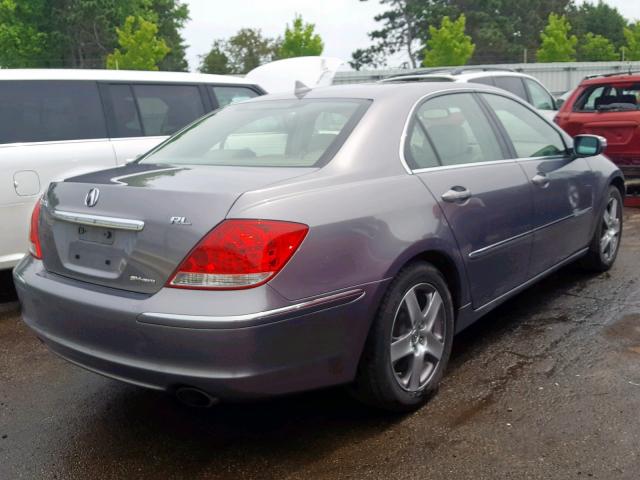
(194, 397)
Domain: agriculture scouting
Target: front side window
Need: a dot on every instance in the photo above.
(165, 109)
(530, 135)
(43, 111)
(231, 94)
(540, 98)
(277, 133)
(458, 129)
(513, 85)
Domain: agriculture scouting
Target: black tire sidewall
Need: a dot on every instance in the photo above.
(394, 394)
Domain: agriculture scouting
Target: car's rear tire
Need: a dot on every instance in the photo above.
(605, 243)
(410, 341)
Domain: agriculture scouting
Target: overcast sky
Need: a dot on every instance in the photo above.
(343, 24)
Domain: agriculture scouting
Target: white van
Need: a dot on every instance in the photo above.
(59, 123)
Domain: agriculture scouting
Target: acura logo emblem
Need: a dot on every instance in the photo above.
(92, 197)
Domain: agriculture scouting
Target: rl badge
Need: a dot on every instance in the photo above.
(179, 221)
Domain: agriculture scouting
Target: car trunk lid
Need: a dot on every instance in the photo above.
(145, 220)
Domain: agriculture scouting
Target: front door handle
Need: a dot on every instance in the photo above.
(540, 180)
(456, 194)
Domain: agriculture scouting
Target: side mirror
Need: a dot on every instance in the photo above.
(588, 145)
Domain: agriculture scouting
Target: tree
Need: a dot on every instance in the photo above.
(80, 33)
(141, 48)
(557, 45)
(632, 47)
(21, 41)
(398, 32)
(596, 48)
(448, 45)
(248, 49)
(216, 61)
(300, 40)
(171, 16)
(599, 19)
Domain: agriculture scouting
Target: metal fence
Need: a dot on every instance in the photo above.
(558, 77)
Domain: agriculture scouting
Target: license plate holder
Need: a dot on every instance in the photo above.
(104, 236)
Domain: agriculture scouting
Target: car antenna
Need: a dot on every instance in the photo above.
(300, 90)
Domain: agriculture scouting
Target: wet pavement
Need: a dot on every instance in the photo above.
(547, 386)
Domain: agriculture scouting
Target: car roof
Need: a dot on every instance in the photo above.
(379, 91)
(612, 78)
(455, 75)
(118, 75)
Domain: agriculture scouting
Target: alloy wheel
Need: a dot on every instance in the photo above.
(417, 337)
(610, 237)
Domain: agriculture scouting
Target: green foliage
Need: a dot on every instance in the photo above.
(300, 40)
(241, 53)
(596, 48)
(80, 33)
(21, 41)
(216, 61)
(448, 45)
(140, 48)
(599, 19)
(632, 47)
(557, 44)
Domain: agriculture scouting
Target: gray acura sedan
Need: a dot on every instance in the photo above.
(341, 235)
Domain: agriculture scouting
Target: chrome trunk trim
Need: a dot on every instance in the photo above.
(98, 220)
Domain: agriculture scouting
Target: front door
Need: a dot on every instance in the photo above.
(562, 187)
(485, 198)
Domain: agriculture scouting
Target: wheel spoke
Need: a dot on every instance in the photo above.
(413, 307)
(607, 218)
(417, 366)
(401, 347)
(604, 242)
(613, 209)
(434, 347)
(616, 226)
(433, 309)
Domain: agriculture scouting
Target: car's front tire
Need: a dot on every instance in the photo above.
(605, 243)
(410, 341)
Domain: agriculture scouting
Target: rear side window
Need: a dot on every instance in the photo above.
(459, 130)
(513, 85)
(42, 111)
(230, 94)
(165, 109)
(126, 122)
(530, 135)
(419, 148)
(483, 81)
(609, 98)
(540, 98)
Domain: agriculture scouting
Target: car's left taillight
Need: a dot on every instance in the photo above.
(239, 253)
(35, 249)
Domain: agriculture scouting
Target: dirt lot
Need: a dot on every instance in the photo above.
(547, 386)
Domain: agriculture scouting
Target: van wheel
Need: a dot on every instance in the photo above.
(410, 341)
(605, 243)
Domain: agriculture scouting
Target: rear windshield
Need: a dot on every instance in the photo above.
(609, 98)
(276, 133)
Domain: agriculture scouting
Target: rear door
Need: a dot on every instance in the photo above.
(484, 196)
(49, 130)
(562, 187)
(142, 115)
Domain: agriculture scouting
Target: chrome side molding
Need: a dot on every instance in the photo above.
(249, 319)
(98, 220)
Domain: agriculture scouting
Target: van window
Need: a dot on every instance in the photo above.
(230, 94)
(513, 85)
(125, 113)
(165, 109)
(42, 111)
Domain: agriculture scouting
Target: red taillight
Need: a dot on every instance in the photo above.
(34, 233)
(239, 254)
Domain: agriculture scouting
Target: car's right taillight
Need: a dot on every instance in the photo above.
(35, 249)
(238, 254)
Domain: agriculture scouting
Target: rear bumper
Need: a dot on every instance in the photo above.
(288, 348)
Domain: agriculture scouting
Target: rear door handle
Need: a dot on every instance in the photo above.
(456, 194)
(541, 180)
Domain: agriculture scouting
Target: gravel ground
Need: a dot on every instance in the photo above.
(547, 386)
